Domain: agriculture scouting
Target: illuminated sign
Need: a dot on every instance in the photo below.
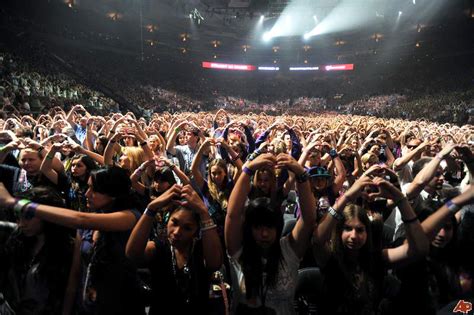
(226, 66)
(304, 68)
(269, 68)
(349, 66)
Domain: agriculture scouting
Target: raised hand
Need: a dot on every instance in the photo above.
(190, 199)
(174, 193)
(266, 160)
(358, 187)
(284, 160)
(386, 190)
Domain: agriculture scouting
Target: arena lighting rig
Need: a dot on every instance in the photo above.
(247, 67)
(196, 16)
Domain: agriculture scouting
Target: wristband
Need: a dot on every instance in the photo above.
(303, 177)
(19, 205)
(207, 228)
(30, 210)
(177, 129)
(138, 172)
(150, 213)
(408, 221)
(452, 207)
(49, 156)
(336, 215)
(248, 171)
(207, 223)
(40, 149)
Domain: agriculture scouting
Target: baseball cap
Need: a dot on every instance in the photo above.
(318, 171)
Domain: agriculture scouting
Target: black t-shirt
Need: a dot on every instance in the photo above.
(351, 289)
(114, 276)
(183, 293)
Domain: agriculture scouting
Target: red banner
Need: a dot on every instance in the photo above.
(227, 66)
(349, 66)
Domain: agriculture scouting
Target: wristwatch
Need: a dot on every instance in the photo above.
(303, 177)
(332, 153)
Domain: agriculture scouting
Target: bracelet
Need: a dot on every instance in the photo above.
(408, 221)
(49, 156)
(19, 205)
(138, 172)
(336, 215)
(248, 171)
(30, 210)
(303, 177)
(40, 149)
(252, 156)
(452, 207)
(396, 203)
(207, 223)
(150, 213)
(207, 228)
(143, 143)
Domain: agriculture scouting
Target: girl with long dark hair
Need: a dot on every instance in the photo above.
(109, 280)
(350, 254)
(264, 264)
(35, 261)
(182, 264)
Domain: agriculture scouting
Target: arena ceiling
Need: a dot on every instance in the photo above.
(269, 31)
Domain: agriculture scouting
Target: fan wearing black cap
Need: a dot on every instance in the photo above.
(324, 186)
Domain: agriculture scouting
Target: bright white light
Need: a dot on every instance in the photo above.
(304, 68)
(262, 17)
(315, 18)
(269, 68)
(191, 16)
(414, 1)
(267, 36)
(400, 13)
(306, 36)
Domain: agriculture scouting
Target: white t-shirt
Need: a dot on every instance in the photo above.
(279, 297)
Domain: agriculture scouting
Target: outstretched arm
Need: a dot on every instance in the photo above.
(235, 210)
(115, 221)
(301, 234)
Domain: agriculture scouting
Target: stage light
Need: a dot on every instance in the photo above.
(267, 36)
(400, 13)
(306, 36)
(262, 17)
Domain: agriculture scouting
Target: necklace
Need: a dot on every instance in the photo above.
(184, 285)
